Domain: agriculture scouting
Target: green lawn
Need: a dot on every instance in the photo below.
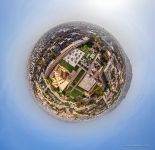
(67, 91)
(75, 93)
(98, 91)
(66, 65)
(85, 48)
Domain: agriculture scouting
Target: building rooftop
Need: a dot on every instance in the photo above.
(60, 77)
(74, 57)
(87, 82)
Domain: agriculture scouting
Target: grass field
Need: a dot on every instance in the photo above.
(85, 48)
(76, 93)
(98, 91)
(66, 65)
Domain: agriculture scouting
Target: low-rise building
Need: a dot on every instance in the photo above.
(87, 82)
(74, 57)
(60, 77)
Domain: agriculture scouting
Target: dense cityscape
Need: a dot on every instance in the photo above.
(76, 74)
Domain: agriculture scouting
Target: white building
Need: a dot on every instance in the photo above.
(74, 57)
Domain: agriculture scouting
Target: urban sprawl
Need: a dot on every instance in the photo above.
(75, 74)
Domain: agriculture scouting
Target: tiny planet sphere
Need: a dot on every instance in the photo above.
(78, 71)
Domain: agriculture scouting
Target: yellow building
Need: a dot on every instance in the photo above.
(60, 77)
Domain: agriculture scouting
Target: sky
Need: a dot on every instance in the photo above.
(25, 126)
